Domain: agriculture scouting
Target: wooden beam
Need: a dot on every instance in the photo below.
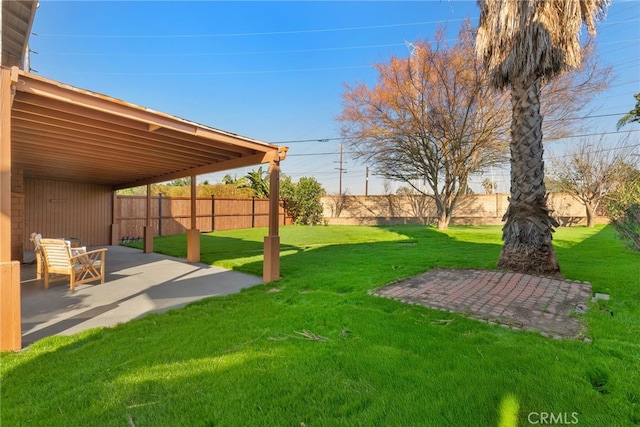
(233, 140)
(255, 159)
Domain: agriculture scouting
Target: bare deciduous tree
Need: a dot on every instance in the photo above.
(590, 172)
(433, 118)
(430, 117)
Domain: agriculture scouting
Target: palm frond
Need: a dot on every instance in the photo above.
(518, 38)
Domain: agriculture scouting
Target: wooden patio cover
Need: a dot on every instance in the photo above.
(62, 132)
(56, 131)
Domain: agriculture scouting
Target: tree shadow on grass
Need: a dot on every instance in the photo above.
(368, 265)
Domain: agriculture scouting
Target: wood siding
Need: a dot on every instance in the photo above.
(67, 209)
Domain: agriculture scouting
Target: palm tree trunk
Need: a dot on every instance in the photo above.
(528, 227)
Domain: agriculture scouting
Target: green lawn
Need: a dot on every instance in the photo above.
(314, 349)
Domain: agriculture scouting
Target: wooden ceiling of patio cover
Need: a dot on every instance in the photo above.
(62, 132)
(17, 19)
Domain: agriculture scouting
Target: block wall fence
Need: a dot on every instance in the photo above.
(472, 209)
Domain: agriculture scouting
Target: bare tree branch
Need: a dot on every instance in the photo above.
(590, 172)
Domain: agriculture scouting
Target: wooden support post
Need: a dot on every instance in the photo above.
(115, 234)
(160, 214)
(194, 224)
(193, 234)
(115, 225)
(213, 213)
(10, 327)
(284, 213)
(6, 100)
(147, 244)
(271, 267)
(193, 245)
(148, 230)
(253, 212)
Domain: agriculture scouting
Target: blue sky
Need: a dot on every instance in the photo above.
(275, 71)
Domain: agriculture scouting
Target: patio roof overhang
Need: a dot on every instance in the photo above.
(17, 20)
(63, 132)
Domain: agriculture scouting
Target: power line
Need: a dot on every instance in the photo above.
(294, 141)
(592, 134)
(288, 32)
(602, 150)
(217, 73)
(333, 153)
(265, 52)
(249, 34)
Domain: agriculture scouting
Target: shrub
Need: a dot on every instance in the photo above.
(302, 200)
(623, 208)
(628, 226)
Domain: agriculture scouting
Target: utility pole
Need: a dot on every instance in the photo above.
(366, 182)
(341, 170)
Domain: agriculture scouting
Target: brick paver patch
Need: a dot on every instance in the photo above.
(517, 300)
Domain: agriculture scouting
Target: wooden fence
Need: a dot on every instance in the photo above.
(172, 215)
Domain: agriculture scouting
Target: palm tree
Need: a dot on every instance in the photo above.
(631, 116)
(522, 42)
(258, 180)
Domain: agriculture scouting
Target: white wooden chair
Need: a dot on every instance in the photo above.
(80, 265)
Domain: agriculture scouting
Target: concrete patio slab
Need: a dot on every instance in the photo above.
(136, 284)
